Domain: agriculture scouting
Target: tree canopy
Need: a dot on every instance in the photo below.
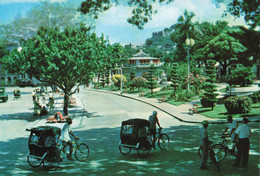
(46, 13)
(142, 10)
(63, 58)
(250, 9)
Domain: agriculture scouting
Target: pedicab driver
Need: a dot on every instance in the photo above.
(65, 136)
(153, 120)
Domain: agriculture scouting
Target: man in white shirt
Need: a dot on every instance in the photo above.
(243, 132)
(65, 137)
(231, 126)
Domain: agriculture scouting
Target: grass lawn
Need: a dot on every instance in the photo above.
(221, 112)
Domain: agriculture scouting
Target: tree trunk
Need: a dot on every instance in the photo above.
(66, 103)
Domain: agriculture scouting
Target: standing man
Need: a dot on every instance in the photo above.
(243, 132)
(153, 120)
(204, 143)
(231, 126)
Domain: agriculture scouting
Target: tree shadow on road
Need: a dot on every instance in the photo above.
(105, 159)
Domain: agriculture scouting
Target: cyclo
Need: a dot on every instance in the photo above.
(135, 135)
(45, 148)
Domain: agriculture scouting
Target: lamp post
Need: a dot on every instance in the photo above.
(189, 42)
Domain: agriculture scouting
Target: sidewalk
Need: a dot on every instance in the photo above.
(180, 112)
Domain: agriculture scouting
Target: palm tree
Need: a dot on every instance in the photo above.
(183, 29)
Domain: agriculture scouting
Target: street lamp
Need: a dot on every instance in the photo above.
(189, 42)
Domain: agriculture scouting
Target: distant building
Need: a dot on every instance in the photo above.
(141, 62)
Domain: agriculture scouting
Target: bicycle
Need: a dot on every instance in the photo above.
(163, 143)
(81, 151)
(225, 146)
(214, 155)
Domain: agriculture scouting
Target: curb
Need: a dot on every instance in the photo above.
(178, 118)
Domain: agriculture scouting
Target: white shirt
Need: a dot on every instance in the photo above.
(243, 131)
(65, 136)
(203, 135)
(232, 125)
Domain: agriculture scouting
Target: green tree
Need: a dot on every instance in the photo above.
(63, 58)
(242, 76)
(224, 49)
(175, 79)
(249, 9)
(184, 29)
(117, 80)
(142, 10)
(209, 98)
(46, 13)
(151, 82)
(138, 82)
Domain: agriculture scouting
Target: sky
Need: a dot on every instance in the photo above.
(113, 23)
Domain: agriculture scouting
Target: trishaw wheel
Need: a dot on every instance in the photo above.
(124, 150)
(82, 152)
(51, 162)
(143, 152)
(164, 141)
(34, 161)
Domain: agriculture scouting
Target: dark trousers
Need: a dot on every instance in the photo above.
(243, 152)
(205, 151)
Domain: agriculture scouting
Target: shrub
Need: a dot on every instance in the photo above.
(255, 97)
(184, 95)
(238, 105)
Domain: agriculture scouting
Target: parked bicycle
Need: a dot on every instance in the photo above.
(214, 155)
(222, 148)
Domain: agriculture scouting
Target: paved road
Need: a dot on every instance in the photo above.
(100, 130)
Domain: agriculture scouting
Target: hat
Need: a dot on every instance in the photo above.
(205, 122)
(155, 112)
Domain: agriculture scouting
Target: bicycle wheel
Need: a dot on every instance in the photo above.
(143, 152)
(82, 152)
(51, 162)
(34, 161)
(200, 152)
(163, 141)
(124, 150)
(220, 151)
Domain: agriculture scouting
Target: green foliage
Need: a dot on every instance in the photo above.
(223, 48)
(242, 76)
(184, 95)
(51, 14)
(255, 97)
(175, 79)
(138, 82)
(249, 9)
(63, 58)
(209, 98)
(103, 80)
(142, 11)
(151, 81)
(117, 80)
(238, 105)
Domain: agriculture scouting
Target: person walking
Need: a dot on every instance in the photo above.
(243, 133)
(231, 126)
(204, 143)
(153, 120)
